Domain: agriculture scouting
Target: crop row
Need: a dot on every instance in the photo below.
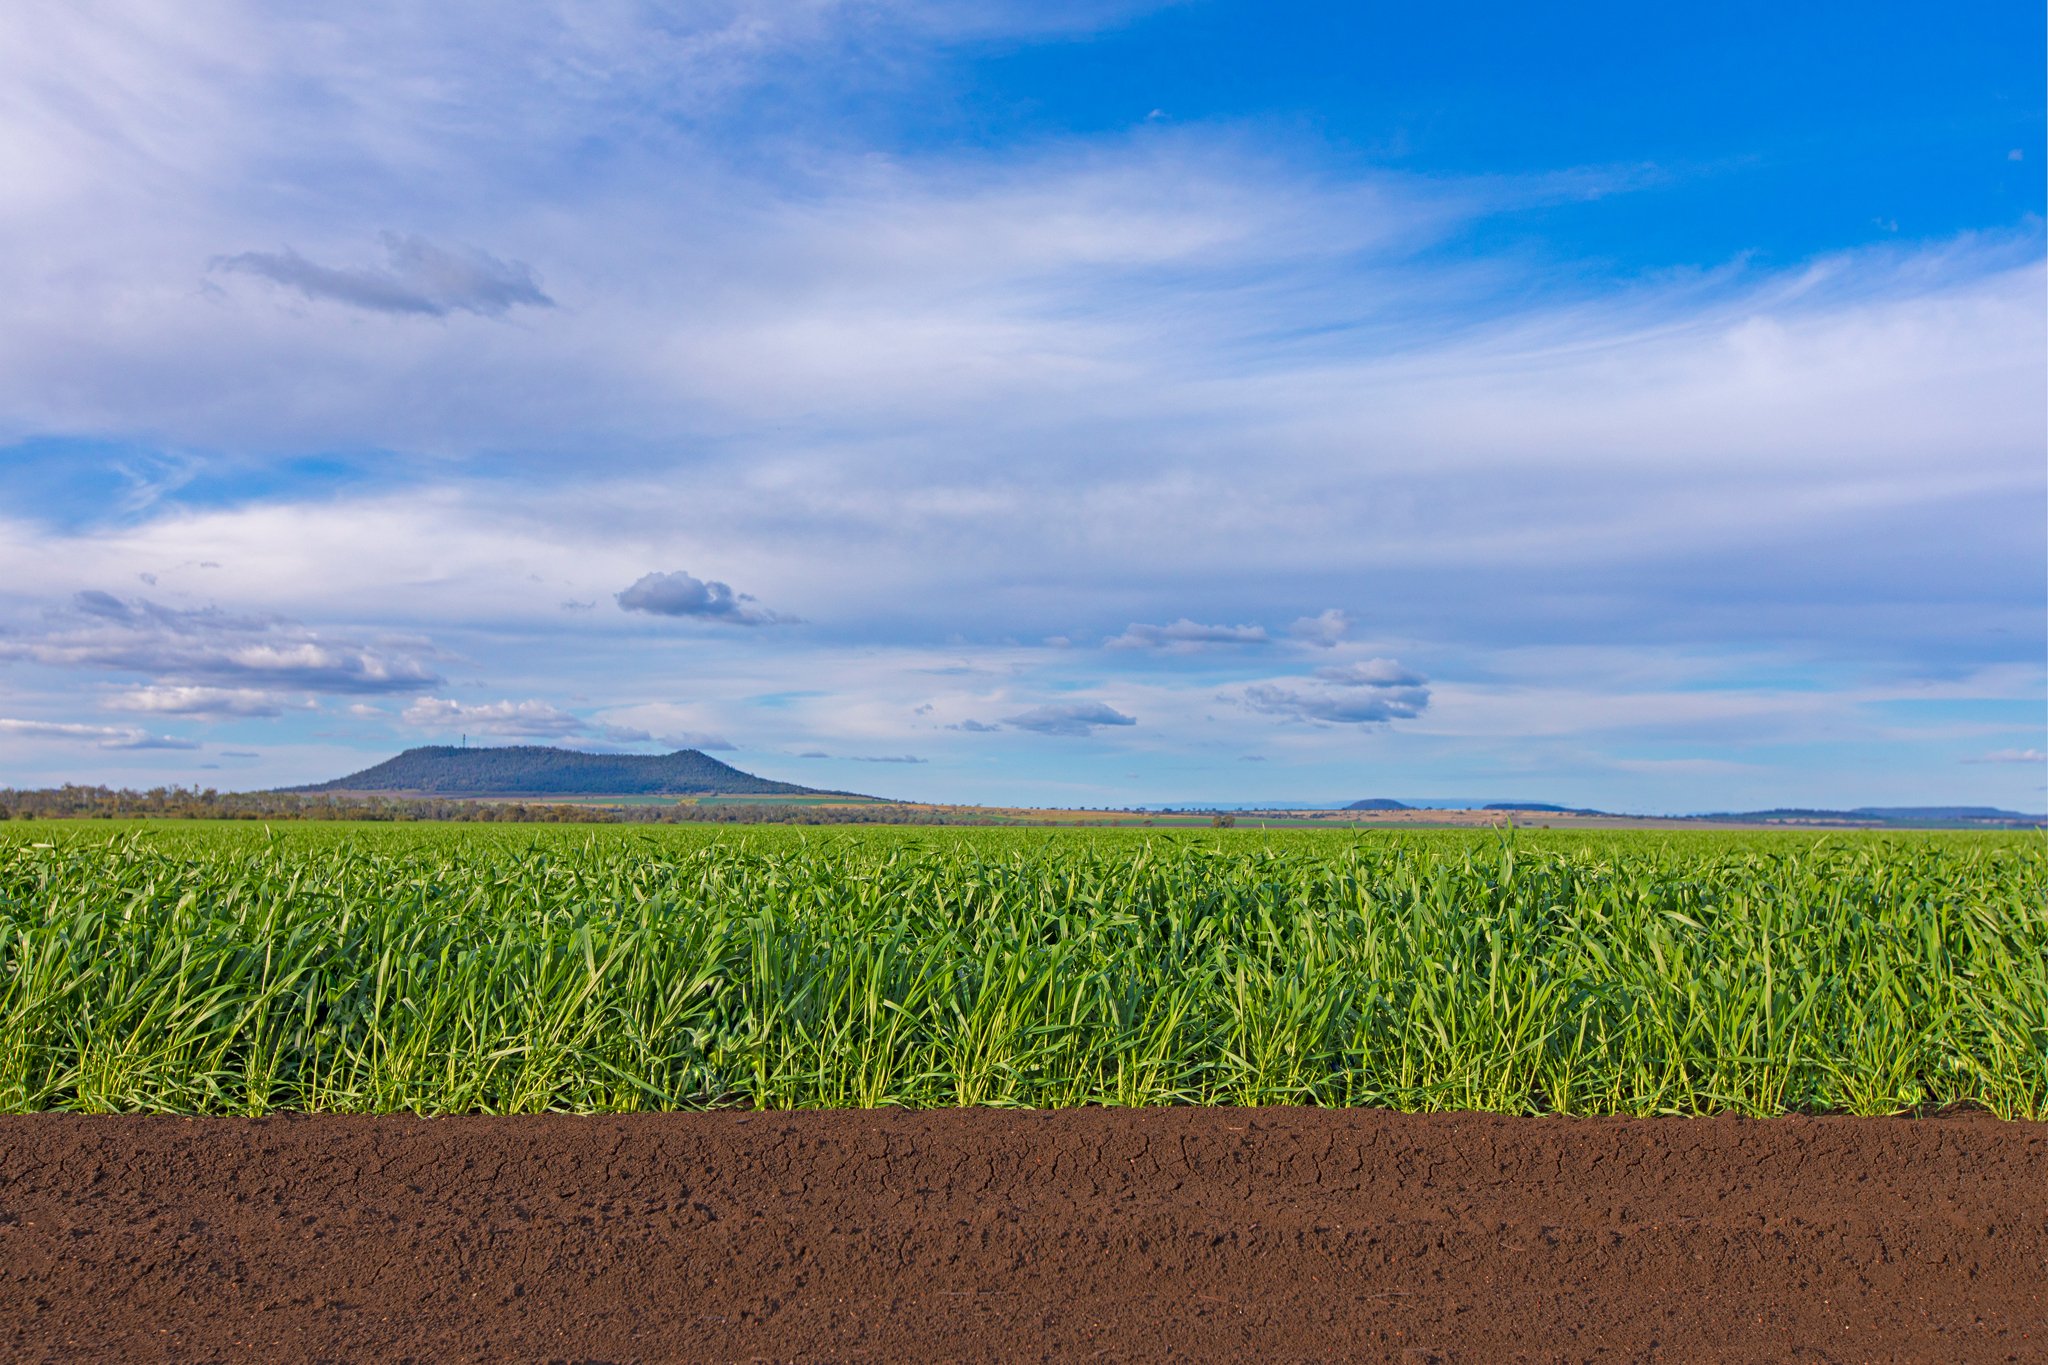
(231, 970)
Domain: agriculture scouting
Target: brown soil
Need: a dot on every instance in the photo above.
(1092, 1234)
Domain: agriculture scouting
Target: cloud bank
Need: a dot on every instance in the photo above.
(206, 648)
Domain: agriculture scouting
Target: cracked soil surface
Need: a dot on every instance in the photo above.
(1217, 1234)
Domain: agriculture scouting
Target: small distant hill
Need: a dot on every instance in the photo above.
(1546, 807)
(538, 770)
(1379, 803)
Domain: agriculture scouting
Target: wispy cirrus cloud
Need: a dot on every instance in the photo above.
(99, 736)
(1185, 634)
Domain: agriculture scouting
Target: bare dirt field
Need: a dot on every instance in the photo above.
(1076, 1235)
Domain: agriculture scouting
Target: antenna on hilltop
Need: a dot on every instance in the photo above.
(465, 739)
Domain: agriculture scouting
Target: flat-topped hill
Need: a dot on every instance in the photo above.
(540, 770)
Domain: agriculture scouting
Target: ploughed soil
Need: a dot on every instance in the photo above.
(973, 1235)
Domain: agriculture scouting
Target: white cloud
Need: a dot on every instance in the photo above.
(1069, 718)
(418, 277)
(1184, 635)
(100, 736)
(1370, 673)
(865, 758)
(530, 719)
(1326, 629)
(537, 719)
(680, 594)
(208, 647)
(185, 700)
(1364, 692)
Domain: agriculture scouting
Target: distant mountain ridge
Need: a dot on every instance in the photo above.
(541, 770)
(1860, 817)
(1904, 817)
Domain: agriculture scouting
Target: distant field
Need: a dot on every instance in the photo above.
(230, 968)
(1309, 819)
(821, 799)
(590, 800)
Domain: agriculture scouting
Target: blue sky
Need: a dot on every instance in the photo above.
(1070, 402)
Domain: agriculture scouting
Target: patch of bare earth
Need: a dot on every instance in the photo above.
(1090, 1234)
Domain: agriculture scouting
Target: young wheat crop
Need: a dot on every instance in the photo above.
(230, 969)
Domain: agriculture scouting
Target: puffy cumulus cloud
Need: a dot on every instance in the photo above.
(682, 594)
(1325, 630)
(417, 277)
(975, 727)
(1185, 635)
(1069, 718)
(99, 736)
(170, 699)
(530, 719)
(1366, 692)
(210, 648)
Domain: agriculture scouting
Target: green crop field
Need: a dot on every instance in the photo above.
(235, 969)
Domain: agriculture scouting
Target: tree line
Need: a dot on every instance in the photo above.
(73, 802)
